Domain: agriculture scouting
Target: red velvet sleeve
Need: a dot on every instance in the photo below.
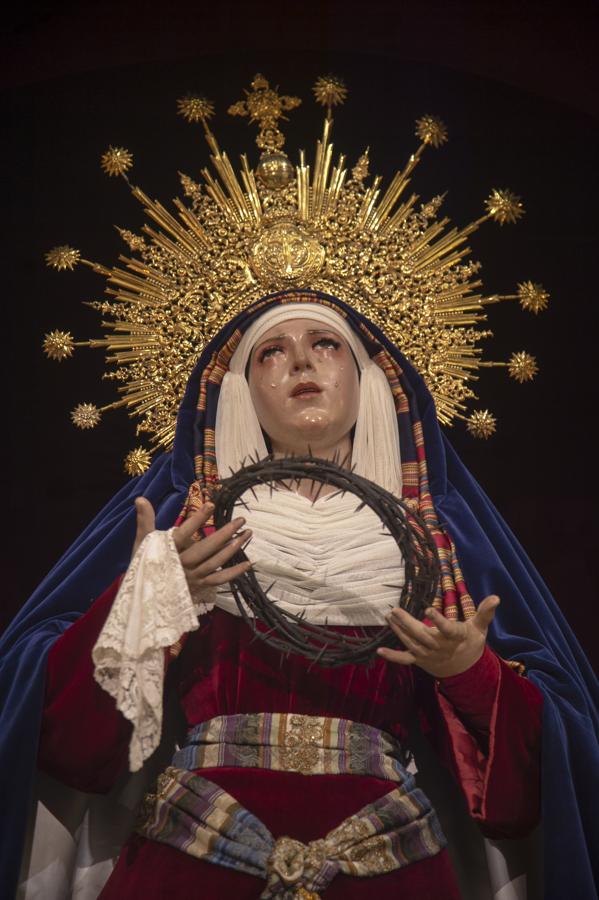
(486, 726)
(84, 739)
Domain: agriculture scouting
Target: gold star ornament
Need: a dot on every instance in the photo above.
(504, 207)
(481, 424)
(116, 161)
(85, 415)
(63, 257)
(58, 345)
(431, 130)
(533, 297)
(330, 90)
(137, 461)
(195, 109)
(522, 367)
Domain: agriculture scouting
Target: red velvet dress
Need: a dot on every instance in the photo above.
(485, 725)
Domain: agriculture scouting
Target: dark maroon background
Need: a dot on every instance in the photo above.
(516, 84)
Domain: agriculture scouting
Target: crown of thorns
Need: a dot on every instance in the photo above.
(290, 632)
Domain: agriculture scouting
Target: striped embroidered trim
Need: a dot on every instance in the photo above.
(311, 745)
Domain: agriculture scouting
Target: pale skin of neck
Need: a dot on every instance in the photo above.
(340, 452)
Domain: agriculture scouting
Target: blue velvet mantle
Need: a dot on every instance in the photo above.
(528, 626)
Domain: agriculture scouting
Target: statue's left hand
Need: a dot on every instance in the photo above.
(444, 647)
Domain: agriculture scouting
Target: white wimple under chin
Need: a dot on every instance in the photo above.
(237, 431)
(375, 452)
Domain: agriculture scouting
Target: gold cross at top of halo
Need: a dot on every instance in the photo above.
(266, 106)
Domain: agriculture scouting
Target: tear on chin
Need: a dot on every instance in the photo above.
(316, 430)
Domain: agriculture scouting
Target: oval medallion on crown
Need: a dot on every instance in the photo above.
(287, 254)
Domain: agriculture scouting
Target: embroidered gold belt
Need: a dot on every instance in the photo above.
(290, 742)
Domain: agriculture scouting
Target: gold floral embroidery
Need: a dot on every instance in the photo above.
(302, 739)
(296, 864)
(302, 894)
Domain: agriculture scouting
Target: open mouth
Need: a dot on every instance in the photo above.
(306, 390)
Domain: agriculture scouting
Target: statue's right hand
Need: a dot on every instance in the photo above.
(203, 561)
(146, 521)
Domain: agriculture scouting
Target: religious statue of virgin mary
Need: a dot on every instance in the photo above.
(291, 313)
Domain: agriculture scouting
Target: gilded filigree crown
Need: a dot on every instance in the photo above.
(240, 236)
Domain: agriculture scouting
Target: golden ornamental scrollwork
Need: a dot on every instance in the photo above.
(285, 254)
(302, 743)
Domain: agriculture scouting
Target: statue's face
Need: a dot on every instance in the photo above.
(305, 386)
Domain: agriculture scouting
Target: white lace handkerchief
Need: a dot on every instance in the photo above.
(152, 610)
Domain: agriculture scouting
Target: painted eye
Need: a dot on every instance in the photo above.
(327, 342)
(269, 351)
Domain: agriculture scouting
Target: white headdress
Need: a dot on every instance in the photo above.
(238, 435)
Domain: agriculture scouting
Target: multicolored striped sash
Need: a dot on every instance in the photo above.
(198, 817)
(290, 742)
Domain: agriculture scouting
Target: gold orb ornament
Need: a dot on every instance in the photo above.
(275, 170)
